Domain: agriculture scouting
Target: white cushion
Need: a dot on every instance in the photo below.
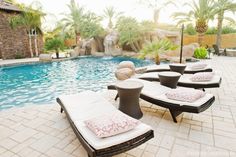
(87, 105)
(157, 91)
(202, 76)
(185, 94)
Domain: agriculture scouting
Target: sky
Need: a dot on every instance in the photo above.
(56, 8)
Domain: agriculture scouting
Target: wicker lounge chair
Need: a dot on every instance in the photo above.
(82, 106)
(154, 93)
(185, 81)
(165, 67)
(219, 51)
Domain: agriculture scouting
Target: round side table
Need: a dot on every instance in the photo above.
(178, 68)
(169, 79)
(129, 93)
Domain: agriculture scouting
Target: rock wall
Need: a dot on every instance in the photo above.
(14, 42)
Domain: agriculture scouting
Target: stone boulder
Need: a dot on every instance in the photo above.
(123, 74)
(45, 57)
(76, 52)
(188, 51)
(127, 64)
(111, 44)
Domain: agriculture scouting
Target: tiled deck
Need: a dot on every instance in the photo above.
(43, 131)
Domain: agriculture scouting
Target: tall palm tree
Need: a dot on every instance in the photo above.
(74, 18)
(200, 12)
(111, 13)
(157, 6)
(30, 19)
(223, 6)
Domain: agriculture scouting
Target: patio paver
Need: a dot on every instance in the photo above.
(42, 131)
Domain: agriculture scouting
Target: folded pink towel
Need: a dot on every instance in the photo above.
(185, 94)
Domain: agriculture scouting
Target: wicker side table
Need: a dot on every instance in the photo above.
(129, 93)
(178, 68)
(169, 79)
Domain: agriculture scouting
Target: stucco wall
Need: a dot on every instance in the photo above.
(227, 41)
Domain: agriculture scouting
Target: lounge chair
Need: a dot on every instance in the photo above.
(154, 93)
(188, 70)
(82, 106)
(185, 81)
(219, 51)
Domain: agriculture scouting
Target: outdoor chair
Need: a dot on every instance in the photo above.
(82, 106)
(185, 80)
(218, 51)
(154, 93)
(188, 70)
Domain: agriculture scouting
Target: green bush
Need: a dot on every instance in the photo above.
(228, 30)
(211, 30)
(190, 30)
(200, 53)
(19, 55)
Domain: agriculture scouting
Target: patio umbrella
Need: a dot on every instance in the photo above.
(181, 46)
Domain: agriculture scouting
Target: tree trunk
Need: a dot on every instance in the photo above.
(157, 59)
(57, 53)
(36, 43)
(30, 45)
(219, 29)
(77, 34)
(133, 47)
(200, 38)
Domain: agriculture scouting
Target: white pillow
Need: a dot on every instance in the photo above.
(109, 125)
(198, 66)
(202, 76)
(185, 94)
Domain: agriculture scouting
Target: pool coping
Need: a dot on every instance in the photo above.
(28, 61)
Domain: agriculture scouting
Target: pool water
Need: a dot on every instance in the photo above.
(42, 83)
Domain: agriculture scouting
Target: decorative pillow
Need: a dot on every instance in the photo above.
(202, 76)
(185, 94)
(109, 125)
(197, 66)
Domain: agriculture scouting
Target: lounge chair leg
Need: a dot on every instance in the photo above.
(174, 114)
(203, 89)
(117, 96)
(61, 109)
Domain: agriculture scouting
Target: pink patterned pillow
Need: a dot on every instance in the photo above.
(109, 125)
(185, 94)
(198, 66)
(202, 76)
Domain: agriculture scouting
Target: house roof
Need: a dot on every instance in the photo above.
(8, 6)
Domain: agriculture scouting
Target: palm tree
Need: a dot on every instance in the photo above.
(200, 12)
(110, 13)
(31, 20)
(223, 6)
(157, 7)
(74, 18)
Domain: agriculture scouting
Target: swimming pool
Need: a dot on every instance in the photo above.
(41, 83)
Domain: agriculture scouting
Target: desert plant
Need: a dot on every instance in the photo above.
(156, 47)
(200, 53)
(56, 44)
(200, 12)
(130, 32)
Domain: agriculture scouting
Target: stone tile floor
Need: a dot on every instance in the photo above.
(42, 131)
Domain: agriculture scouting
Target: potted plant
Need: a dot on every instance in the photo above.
(156, 47)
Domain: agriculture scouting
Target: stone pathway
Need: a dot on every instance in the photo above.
(18, 61)
(42, 131)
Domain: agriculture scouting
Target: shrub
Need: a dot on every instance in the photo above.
(190, 30)
(19, 55)
(200, 53)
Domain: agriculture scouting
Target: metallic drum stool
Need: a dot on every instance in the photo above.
(129, 93)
